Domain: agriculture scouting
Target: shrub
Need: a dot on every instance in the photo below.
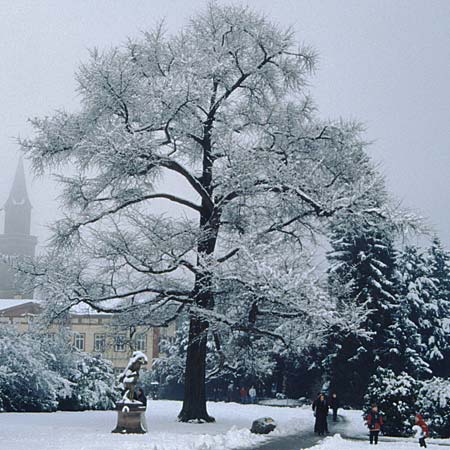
(395, 396)
(433, 401)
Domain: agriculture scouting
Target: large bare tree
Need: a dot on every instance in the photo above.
(222, 108)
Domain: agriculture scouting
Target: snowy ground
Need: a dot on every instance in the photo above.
(338, 443)
(356, 438)
(92, 430)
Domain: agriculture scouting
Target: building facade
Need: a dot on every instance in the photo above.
(88, 331)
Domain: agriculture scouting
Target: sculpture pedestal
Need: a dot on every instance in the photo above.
(130, 418)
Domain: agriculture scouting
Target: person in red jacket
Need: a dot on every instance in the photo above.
(421, 430)
(374, 422)
(243, 393)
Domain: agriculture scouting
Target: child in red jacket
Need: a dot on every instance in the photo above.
(421, 430)
(374, 422)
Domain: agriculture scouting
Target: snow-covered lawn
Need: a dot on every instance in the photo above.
(91, 430)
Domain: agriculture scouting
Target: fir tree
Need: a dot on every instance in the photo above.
(438, 260)
(415, 317)
(362, 272)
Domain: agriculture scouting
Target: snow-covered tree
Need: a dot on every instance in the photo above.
(416, 318)
(438, 260)
(361, 273)
(222, 110)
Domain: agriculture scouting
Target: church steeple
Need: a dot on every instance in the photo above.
(16, 239)
(18, 206)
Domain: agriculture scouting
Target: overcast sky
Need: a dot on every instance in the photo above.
(383, 62)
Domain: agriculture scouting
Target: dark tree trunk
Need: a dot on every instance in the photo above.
(194, 401)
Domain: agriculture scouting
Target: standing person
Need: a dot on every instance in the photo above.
(334, 405)
(320, 408)
(243, 394)
(314, 403)
(252, 394)
(421, 430)
(374, 422)
(230, 392)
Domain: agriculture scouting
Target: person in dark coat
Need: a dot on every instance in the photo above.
(320, 408)
(314, 403)
(140, 396)
(374, 422)
(334, 405)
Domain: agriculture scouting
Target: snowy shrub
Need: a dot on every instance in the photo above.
(395, 396)
(434, 403)
(92, 384)
(42, 374)
(26, 382)
(90, 381)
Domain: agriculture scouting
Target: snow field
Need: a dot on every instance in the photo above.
(91, 430)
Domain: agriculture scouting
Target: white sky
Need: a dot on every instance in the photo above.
(383, 62)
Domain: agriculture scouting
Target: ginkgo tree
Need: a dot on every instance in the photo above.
(222, 106)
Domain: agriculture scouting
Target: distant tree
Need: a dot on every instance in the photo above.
(222, 107)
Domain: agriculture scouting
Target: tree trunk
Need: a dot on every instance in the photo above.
(194, 402)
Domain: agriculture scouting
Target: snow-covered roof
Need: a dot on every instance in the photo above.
(6, 303)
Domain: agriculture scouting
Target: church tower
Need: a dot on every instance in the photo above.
(16, 238)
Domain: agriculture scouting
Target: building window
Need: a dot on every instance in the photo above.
(141, 342)
(99, 343)
(79, 341)
(120, 343)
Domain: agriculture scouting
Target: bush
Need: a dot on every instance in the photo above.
(396, 399)
(433, 401)
(26, 382)
(400, 397)
(92, 384)
(42, 374)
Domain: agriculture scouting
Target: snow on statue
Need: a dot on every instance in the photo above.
(130, 411)
(129, 377)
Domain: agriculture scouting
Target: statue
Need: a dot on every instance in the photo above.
(131, 412)
(129, 377)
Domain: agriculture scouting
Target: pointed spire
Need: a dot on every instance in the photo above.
(18, 195)
(18, 206)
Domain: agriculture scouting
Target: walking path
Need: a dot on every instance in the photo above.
(300, 441)
(307, 440)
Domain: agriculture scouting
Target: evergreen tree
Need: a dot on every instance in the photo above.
(417, 319)
(419, 337)
(438, 260)
(362, 273)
